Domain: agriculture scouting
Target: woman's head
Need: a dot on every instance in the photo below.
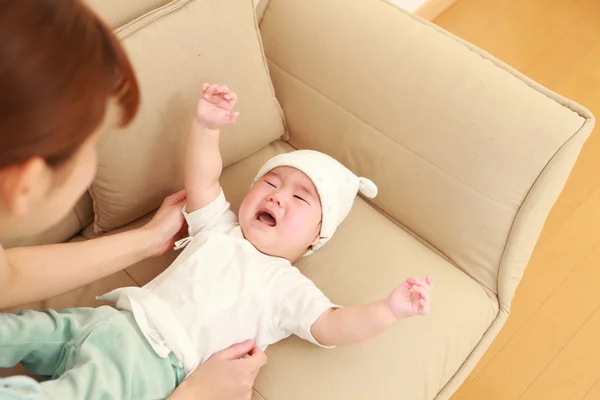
(59, 68)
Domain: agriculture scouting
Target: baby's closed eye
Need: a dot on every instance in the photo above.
(300, 198)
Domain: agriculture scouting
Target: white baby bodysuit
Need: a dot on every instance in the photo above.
(221, 291)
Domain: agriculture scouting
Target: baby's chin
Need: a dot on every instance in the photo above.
(258, 239)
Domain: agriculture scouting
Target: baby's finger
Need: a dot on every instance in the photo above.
(422, 292)
(424, 285)
(411, 281)
(424, 307)
(224, 89)
(232, 97)
(204, 87)
(429, 281)
(210, 91)
(233, 117)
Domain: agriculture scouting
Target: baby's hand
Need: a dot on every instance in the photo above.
(410, 298)
(214, 108)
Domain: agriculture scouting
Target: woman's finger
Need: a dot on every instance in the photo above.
(176, 197)
(256, 360)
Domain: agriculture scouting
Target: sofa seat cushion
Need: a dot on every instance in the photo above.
(363, 262)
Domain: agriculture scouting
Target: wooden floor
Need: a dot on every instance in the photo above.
(550, 347)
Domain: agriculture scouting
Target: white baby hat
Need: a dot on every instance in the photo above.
(337, 186)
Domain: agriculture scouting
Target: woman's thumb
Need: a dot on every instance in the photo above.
(176, 198)
(236, 351)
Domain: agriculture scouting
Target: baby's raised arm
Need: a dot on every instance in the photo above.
(350, 325)
(203, 164)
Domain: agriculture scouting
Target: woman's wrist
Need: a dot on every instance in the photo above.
(148, 242)
(182, 392)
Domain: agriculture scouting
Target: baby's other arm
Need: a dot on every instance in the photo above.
(203, 163)
(351, 325)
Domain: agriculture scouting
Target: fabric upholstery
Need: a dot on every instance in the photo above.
(530, 219)
(469, 156)
(260, 8)
(454, 138)
(363, 262)
(140, 165)
(118, 12)
(77, 219)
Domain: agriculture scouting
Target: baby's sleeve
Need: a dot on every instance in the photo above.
(298, 304)
(210, 217)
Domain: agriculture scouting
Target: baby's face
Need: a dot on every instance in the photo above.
(281, 214)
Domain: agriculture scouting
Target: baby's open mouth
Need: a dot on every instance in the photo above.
(266, 218)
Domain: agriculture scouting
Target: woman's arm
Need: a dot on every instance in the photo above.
(35, 273)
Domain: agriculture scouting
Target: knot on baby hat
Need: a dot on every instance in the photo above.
(337, 186)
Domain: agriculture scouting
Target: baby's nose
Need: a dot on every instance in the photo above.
(274, 198)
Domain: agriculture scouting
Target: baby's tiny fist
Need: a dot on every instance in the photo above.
(215, 107)
(411, 298)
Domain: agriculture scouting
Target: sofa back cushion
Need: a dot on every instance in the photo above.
(454, 138)
(118, 12)
(174, 49)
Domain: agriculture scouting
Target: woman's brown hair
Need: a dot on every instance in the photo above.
(59, 67)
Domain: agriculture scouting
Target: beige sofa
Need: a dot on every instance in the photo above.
(469, 156)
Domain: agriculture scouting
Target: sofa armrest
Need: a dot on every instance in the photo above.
(469, 154)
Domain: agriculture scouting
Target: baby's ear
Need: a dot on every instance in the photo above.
(316, 239)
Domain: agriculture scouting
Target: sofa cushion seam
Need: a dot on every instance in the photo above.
(258, 393)
(138, 23)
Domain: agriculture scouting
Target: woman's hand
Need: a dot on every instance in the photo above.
(167, 226)
(225, 376)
